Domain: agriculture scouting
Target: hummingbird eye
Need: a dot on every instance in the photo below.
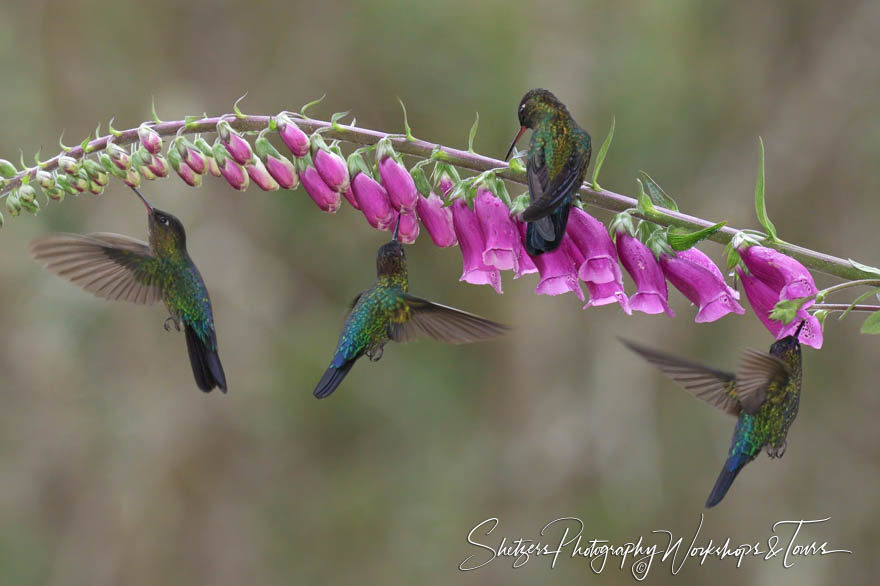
(162, 220)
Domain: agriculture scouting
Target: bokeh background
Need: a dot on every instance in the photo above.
(115, 469)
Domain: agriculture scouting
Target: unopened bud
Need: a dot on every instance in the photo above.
(234, 173)
(190, 154)
(7, 169)
(13, 205)
(44, 179)
(207, 150)
(159, 166)
(63, 181)
(132, 178)
(119, 156)
(109, 166)
(239, 148)
(261, 176)
(56, 193)
(295, 139)
(68, 164)
(183, 170)
(150, 139)
(279, 166)
(96, 172)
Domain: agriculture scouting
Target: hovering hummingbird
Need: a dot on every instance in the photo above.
(559, 154)
(386, 311)
(764, 395)
(117, 267)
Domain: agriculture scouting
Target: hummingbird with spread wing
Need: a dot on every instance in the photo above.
(387, 312)
(118, 267)
(764, 395)
(558, 157)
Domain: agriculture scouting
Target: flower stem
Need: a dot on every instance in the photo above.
(603, 198)
(844, 307)
(858, 283)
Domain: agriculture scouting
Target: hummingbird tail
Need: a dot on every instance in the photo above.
(332, 378)
(205, 362)
(546, 234)
(731, 468)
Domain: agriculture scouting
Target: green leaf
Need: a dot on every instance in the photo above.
(786, 310)
(865, 268)
(516, 166)
(682, 240)
(407, 130)
(310, 104)
(235, 109)
(656, 193)
(473, 133)
(600, 158)
(856, 301)
(760, 203)
(872, 324)
(153, 109)
(644, 202)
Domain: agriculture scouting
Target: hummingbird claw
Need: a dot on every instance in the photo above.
(376, 353)
(777, 451)
(172, 320)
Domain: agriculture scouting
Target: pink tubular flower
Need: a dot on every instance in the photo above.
(558, 269)
(701, 286)
(651, 293)
(261, 176)
(599, 268)
(782, 273)
(437, 220)
(525, 264)
(150, 139)
(330, 166)
(372, 199)
(472, 244)
(763, 299)
(295, 139)
(499, 231)
(396, 179)
(699, 257)
(409, 227)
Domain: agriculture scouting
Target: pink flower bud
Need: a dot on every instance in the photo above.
(409, 227)
(283, 171)
(158, 165)
(326, 199)
(208, 151)
(651, 293)
(234, 173)
(261, 176)
(236, 145)
(183, 170)
(189, 154)
(295, 139)
(396, 179)
(132, 178)
(330, 166)
(371, 197)
(150, 139)
(68, 164)
(349, 195)
(436, 219)
(119, 156)
(501, 237)
(472, 244)
(701, 286)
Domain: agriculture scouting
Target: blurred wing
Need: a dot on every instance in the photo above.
(111, 266)
(546, 193)
(755, 375)
(715, 387)
(442, 323)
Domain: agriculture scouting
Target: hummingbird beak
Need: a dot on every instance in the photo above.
(513, 144)
(143, 199)
(396, 229)
(797, 332)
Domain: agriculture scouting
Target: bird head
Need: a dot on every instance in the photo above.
(391, 258)
(534, 106)
(166, 231)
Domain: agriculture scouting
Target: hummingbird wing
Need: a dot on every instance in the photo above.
(549, 187)
(111, 266)
(715, 387)
(440, 322)
(756, 373)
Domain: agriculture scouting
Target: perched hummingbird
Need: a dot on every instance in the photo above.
(386, 312)
(559, 153)
(764, 395)
(117, 267)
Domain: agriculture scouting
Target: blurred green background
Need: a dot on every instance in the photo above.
(116, 469)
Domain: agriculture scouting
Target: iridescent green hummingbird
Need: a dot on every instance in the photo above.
(558, 157)
(387, 312)
(118, 267)
(763, 395)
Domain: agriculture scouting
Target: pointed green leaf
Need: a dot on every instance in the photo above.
(406, 129)
(235, 109)
(786, 310)
(872, 324)
(644, 202)
(760, 203)
(473, 133)
(516, 166)
(600, 158)
(865, 268)
(656, 193)
(646, 230)
(310, 104)
(680, 239)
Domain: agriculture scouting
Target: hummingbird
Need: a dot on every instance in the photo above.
(118, 267)
(387, 312)
(763, 395)
(558, 157)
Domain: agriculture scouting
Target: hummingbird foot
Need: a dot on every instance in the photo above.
(376, 353)
(777, 451)
(171, 320)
